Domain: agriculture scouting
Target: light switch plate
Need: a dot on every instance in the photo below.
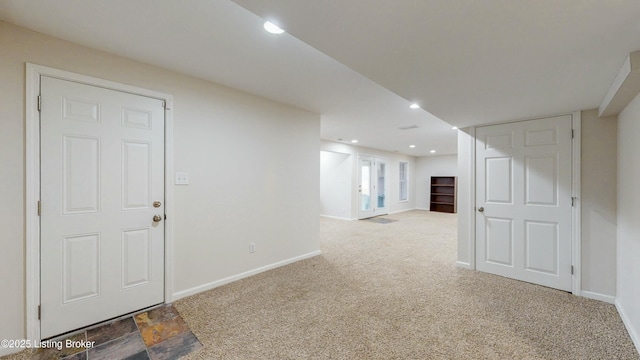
(182, 178)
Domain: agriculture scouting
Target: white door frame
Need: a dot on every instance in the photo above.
(576, 221)
(374, 171)
(32, 182)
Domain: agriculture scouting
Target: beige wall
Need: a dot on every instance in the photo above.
(599, 193)
(12, 241)
(628, 210)
(253, 165)
(335, 184)
(428, 166)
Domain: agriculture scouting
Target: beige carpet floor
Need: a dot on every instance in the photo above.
(392, 291)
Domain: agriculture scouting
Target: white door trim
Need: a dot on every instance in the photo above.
(576, 220)
(32, 181)
(472, 193)
(386, 182)
(359, 158)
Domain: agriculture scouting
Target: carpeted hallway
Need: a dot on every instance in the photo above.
(392, 291)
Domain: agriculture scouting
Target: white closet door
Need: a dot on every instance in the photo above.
(102, 169)
(523, 201)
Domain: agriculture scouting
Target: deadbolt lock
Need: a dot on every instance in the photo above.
(157, 204)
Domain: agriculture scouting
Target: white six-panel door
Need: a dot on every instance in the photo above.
(102, 169)
(523, 201)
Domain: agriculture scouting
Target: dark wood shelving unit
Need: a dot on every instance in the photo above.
(443, 194)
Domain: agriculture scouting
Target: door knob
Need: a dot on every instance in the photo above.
(481, 209)
(157, 218)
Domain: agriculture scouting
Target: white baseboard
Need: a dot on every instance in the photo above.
(464, 265)
(423, 209)
(633, 333)
(336, 217)
(597, 296)
(198, 289)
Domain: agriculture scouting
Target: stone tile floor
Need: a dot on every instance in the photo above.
(156, 334)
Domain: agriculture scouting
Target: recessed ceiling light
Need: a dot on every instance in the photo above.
(272, 28)
(454, 128)
(354, 141)
(414, 106)
(412, 146)
(432, 151)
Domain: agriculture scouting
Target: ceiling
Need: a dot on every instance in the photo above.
(473, 62)
(360, 63)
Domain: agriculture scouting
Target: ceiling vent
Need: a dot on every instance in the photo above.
(408, 127)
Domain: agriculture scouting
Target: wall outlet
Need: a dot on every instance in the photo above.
(252, 247)
(182, 178)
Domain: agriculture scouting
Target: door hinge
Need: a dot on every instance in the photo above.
(572, 133)
(573, 201)
(572, 270)
(39, 312)
(39, 208)
(39, 102)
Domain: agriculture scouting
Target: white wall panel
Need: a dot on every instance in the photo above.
(81, 174)
(499, 239)
(80, 267)
(541, 137)
(499, 141)
(139, 119)
(541, 180)
(136, 257)
(80, 110)
(499, 180)
(136, 175)
(541, 246)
